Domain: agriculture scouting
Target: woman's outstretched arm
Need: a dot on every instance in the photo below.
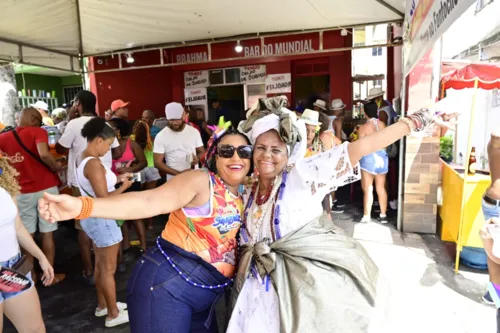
(189, 187)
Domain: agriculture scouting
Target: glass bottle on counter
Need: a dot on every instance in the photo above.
(472, 162)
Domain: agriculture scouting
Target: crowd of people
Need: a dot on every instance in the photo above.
(246, 207)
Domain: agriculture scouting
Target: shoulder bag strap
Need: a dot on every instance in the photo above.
(80, 184)
(36, 157)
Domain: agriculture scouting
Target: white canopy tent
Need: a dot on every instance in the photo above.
(57, 33)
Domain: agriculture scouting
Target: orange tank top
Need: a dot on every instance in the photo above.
(212, 237)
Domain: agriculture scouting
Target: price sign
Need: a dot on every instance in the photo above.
(253, 74)
(196, 79)
(279, 83)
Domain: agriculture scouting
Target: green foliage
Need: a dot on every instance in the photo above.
(446, 148)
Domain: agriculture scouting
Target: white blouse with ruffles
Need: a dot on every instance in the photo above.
(309, 180)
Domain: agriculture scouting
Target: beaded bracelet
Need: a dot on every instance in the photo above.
(87, 206)
(411, 124)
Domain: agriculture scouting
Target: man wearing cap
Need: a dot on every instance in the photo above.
(73, 143)
(43, 108)
(319, 105)
(119, 109)
(177, 147)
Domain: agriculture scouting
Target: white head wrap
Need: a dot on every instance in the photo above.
(272, 122)
(174, 111)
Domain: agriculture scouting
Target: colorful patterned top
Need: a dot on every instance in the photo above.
(212, 237)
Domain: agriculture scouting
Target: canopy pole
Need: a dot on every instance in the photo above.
(466, 172)
(80, 44)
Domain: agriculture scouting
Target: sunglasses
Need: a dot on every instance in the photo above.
(227, 151)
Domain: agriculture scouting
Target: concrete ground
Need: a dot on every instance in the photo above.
(425, 293)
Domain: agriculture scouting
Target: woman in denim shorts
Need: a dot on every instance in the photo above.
(18, 306)
(97, 181)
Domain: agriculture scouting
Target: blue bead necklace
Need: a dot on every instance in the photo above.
(184, 275)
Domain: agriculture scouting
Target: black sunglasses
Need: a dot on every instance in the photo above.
(227, 151)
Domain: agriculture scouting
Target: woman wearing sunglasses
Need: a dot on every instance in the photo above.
(175, 285)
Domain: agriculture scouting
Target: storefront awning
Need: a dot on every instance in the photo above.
(488, 76)
(54, 33)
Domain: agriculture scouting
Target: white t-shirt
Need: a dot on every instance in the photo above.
(73, 140)
(177, 147)
(8, 237)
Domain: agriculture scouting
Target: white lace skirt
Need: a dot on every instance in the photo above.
(256, 310)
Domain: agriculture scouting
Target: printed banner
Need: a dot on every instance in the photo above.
(279, 83)
(196, 96)
(196, 79)
(431, 19)
(253, 74)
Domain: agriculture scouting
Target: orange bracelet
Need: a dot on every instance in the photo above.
(87, 206)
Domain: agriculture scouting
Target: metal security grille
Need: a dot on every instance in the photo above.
(70, 92)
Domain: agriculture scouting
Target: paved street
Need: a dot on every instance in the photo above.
(425, 294)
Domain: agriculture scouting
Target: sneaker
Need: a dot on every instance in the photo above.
(121, 319)
(364, 219)
(336, 209)
(382, 220)
(393, 204)
(487, 299)
(104, 312)
(339, 204)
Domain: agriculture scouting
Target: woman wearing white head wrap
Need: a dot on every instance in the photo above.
(296, 273)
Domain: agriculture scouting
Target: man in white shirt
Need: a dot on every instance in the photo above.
(74, 143)
(177, 147)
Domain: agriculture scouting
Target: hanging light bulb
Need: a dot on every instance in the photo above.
(130, 59)
(238, 48)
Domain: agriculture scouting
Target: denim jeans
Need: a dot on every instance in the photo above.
(160, 300)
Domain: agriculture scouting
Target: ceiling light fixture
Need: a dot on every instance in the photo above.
(344, 32)
(130, 59)
(238, 48)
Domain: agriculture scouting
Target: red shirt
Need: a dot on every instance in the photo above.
(33, 176)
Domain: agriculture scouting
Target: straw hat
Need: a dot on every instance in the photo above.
(375, 92)
(320, 104)
(311, 117)
(337, 104)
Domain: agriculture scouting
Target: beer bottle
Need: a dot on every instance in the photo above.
(472, 161)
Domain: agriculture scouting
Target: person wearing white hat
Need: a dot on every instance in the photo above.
(319, 105)
(387, 116)
(43, 108)
(311, 119)
(336, 123)
(177, 147)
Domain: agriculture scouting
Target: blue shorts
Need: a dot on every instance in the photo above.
(8, 264)
(490, 211)
(103, 232)
(376, 163)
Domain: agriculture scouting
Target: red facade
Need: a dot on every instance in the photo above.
(152, 88)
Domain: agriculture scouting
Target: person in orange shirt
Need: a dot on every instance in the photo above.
(176, 283)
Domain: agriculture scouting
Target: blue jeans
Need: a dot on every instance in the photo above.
(103, 232)
(160, 300)
(9, 263)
